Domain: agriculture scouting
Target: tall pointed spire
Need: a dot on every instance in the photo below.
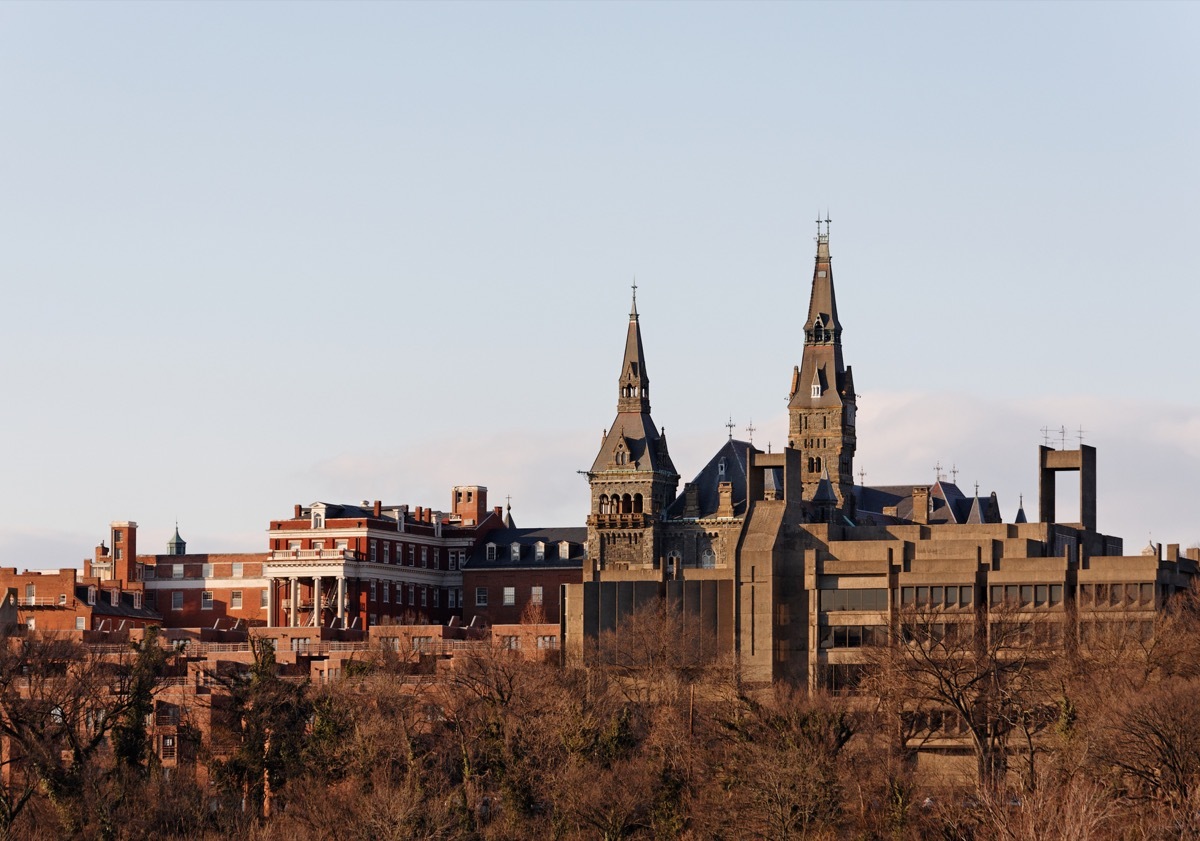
(821, 404)
(634, 384)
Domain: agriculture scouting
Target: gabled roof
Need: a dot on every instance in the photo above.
(733, 454)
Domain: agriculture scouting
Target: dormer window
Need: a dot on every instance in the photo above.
(491, 551)
(318, 522)
(514, 551)
(115, 598)
(91, 595)
(539, 551)
(564, 549)
(721, 467)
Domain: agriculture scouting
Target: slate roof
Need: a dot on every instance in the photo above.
(503, 539)
(950, 505)
(105, 607)
(733, 454)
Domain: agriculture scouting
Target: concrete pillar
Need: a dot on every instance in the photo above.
(341, 600)
(295, 590)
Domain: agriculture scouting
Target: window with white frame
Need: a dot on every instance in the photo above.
(481, 596)
(514, 551)
(510, 596)
(236, 570)
(206, 600)
(511, 643)
(437, 593)
(412, 595)
(207, 571)
(424, 595)
(235, 600)
(177, 600)
(450, 598)
(412, 555)
(372, 590)
(262, 599)
(387, 552)
(177, 571)
(387, 592)
(437, 558)
(79, 626)
(539, 551)
(91, 595)
(424, 556)
(452, 560)
(62, 599)
(399, 593)
(547, 641)
(373, 552)
(535, 594)
(114, 598)
(491, 551)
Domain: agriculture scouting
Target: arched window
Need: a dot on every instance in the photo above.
(708, 558)
(603, 503)
(626, 504)
(637, 503)
(818, 470)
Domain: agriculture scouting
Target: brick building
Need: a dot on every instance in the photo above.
(63, 600)
(356, 566)
(516, 574)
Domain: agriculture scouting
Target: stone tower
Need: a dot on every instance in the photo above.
(632, 479)
(821, 405)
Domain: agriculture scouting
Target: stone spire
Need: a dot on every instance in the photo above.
(634, 383)
(821, 405)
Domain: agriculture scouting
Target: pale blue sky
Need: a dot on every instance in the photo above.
(261, 254)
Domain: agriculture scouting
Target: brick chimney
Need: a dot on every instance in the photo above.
(725, 499)
(378, 508)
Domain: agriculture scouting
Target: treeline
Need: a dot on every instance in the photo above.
(662, 742)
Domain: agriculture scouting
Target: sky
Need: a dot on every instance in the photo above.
(260, 254)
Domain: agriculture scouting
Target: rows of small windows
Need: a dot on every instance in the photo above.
(1116, 595)
(176, 571)
(412, 595)
(391, 552)
(947, 597)
(935, 722)
(508, 596)
(1105, 633)
(872, 598)
(842, 678)
(237, 599)
(852, 636)
(1026, 595)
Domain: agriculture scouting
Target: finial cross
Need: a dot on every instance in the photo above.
(937, 470)
(730, 427)
(750, 430)
(862, 477)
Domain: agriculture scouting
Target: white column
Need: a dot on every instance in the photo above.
(316, 617)
(270, 602)
(295, 590)
(341, 600)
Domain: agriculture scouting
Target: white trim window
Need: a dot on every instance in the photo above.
(481, 599)
(206, 599)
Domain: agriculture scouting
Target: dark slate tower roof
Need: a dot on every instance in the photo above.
(633, 442)
(176, 545)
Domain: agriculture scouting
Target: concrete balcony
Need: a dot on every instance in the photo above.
(312, 555)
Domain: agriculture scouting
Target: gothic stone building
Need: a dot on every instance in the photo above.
(790, 568)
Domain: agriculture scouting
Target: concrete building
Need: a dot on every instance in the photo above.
(791, 568)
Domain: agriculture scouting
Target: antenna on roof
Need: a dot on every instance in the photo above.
(1080, 436)
(1046, 435)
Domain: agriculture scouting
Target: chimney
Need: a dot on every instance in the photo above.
(725, 499)
(920, 512)
(691, 502)
(296, 514)
(498, 510)
(420, 514)
(378, 508)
